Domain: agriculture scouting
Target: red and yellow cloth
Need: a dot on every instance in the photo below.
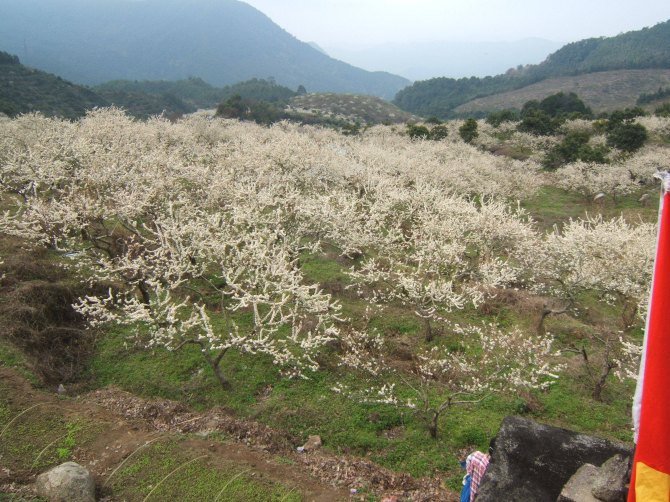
(651, 409)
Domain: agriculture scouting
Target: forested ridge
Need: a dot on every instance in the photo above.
(24, 89)
(646, 48)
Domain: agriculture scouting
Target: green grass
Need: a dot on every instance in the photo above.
(12, 357)
(553, 206)
(34, 438)
(168, 471)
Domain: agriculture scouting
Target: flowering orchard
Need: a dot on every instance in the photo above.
(198, 231)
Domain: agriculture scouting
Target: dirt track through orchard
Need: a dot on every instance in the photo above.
(128, 422)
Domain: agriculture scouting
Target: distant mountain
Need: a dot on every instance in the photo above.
(220, 41)
(644, 49)
(24, 90)
(423, 60)
(318, 47)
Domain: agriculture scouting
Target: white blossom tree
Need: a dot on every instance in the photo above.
(489, 361)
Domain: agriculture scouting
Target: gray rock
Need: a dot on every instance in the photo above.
(611, 485)
(68, 482)
(532, 461)
(313, 443)
(578, 487)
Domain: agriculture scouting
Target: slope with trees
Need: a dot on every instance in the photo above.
(24, 90)
(644, 49)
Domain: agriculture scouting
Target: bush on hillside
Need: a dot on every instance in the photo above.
(627, 137)
(537, 122)
(575, 146)
(438, 133)
(468, 131)
(497, 118)
(418, 131)
(663, 110)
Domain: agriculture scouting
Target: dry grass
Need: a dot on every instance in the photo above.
(37, 315)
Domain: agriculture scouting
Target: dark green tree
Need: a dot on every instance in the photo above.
(627, 115)
(564, 105)
(418, 131)
(438, 133)
(627, 136)
(575, 146)
(468, 131)
(497, 118)
(232, 108)
(537, 122)
(663, 110)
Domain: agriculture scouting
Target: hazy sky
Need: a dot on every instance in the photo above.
(361, 23)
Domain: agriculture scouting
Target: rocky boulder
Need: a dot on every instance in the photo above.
(579, 487)
(532, 461)
(68, 482)
(612, 480)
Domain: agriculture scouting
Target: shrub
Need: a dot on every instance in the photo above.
(497, 118)
(627, 137)
(438, 133)
(663, 110)
(561, 104)
(538, 123)
(468, 131)
(575, 146)
(417, 131)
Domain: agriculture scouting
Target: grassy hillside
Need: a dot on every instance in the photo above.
(601, 91)
(24, 90)
(644, 49)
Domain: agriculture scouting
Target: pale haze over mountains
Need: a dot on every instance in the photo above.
(424, 60)
(421, 39)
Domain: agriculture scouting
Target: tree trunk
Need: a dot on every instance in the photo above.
(428, 330)
(600, 384)
(146, 297)
(219, 375)
(432, 426)
(216, 367)
(214, 363)
(546, 312)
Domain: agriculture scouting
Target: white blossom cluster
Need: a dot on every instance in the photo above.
(197, 229)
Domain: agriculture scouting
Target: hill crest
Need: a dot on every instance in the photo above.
(222, 42)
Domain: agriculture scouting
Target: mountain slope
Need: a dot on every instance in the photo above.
(600, 91)
(223, 42)
(644, 49)
(24, 90)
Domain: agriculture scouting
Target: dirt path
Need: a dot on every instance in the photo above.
(127, 422)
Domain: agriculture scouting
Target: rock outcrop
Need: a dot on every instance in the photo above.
(532, 461)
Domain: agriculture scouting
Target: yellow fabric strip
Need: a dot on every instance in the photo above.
(651, 485)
